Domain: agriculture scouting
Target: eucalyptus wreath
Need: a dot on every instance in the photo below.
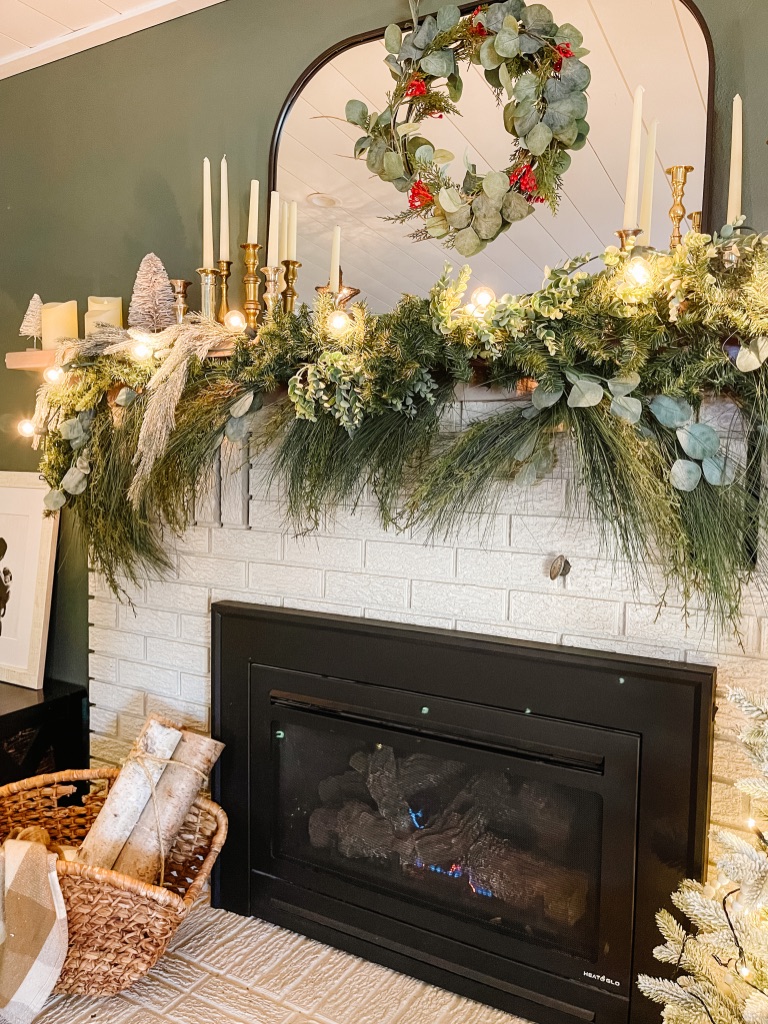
(526, 58)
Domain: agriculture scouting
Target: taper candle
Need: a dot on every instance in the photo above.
(207, 216)
(273, 239)
(633, 165)
(646, 206)
(224, 212)
(253, 214)
(333, 277)
(293, 227)
(282, 245)
(59, 320)
(737, 157)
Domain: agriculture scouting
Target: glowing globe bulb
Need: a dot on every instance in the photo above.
(26, 428)
(141, 351)
(483, 297)
(53, 374)
(339, 321)
(234, 320)
(744, 971)
(751, 822)
(638, 271)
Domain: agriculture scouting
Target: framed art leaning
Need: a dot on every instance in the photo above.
(27, 555)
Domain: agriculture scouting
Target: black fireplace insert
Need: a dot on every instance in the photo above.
(500, 818)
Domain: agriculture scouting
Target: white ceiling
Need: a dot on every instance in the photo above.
(656, 43)
(35, 32)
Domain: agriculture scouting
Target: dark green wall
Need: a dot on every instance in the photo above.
(101, 155)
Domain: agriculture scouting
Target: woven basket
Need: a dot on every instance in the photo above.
(118, 927)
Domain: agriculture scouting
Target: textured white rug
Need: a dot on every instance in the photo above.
(224, 969)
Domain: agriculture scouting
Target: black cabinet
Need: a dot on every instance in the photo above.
(42, 731)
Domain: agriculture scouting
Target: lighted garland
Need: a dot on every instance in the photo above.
(621, 359)
(526, 56)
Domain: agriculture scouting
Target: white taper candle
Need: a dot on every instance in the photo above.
(207, 217)
(282, 243)
(335, 260)
(253, 214)
(293, 229)
(273, 239)
(633, 165)
(224, 212)
(737, 158)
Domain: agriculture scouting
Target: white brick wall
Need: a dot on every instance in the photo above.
(493, 579)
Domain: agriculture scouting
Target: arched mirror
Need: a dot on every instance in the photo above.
(658, 44)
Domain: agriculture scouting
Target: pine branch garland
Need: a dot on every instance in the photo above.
(152, 302)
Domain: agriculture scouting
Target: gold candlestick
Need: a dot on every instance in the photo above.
(289, 292)
(225, 269)
(208, 277)
(695, 220)
(251, 283)
(628, 237)
(180, 307)
(679, 176)
(272, 288)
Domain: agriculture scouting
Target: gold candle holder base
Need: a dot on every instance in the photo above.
(289, 292)
(628, 238)
(679, 176)
(272, 289)
(695, 220)
(225, 269)
(251, 282)
(180, 307)
(343, 296)
(208, 277)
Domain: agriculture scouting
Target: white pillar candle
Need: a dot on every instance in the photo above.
(207, 217)
(737, 157)
(646, 206)
(335, 259)
(103, 309)
(273, 239)
(282, 245)
(293, 227)
(633, 166)
(224, 212)
(59, 320)
(253, 214)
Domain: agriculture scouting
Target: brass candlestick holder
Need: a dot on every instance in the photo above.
(251, 282)
(344, 295)
(180, 307)
(225, 269)
(208, 277)
(679, 176)
(628, 238)
(271, 288)
(695, 220)
(289, 292)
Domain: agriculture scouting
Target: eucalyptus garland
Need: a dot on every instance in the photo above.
(608, 364)
(526, 56)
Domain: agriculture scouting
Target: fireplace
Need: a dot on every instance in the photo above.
(499, 818)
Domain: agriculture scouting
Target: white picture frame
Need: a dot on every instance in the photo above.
(27, 558)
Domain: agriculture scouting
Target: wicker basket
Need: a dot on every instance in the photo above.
(118, 927)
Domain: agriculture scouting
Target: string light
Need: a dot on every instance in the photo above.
(53, 374)
(338, 322)
(26, 428)
(639, 271)
(744, 971)
(234, 320)
(751, 822)
(483, 297)
(141, 351)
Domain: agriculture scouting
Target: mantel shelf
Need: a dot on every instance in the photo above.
(38, 359)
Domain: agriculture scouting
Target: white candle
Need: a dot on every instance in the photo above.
(224, 212)
(273, 239)
(293, 227)
(335, 259)
(207, 217)
(103, 309)
(59, 320)
(737, 157)
(633, 167)
(253, 214)
(646, 206)
(282, 245)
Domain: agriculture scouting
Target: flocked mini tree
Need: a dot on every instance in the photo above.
(151, 307)
(31, 325)
(720, 959)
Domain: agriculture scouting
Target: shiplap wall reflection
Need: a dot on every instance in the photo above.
(654, 43)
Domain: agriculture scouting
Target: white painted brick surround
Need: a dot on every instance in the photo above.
(492, 579)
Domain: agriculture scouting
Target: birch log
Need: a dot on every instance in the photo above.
(129, 795)
(162, 818)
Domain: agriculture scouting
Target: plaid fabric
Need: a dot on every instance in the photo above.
(33, 929)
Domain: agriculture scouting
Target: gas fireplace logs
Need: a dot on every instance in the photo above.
(149, 801)
(501, 836)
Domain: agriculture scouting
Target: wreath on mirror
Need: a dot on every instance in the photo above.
(533, 65)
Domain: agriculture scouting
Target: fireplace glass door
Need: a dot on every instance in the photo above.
(488, 825)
